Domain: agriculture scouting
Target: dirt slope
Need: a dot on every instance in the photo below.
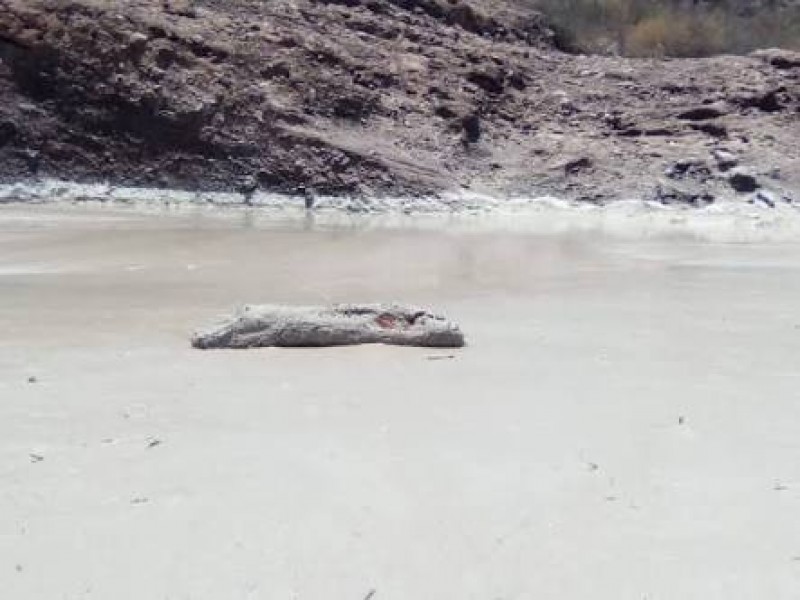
(378, 97)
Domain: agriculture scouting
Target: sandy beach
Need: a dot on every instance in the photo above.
(622, 425)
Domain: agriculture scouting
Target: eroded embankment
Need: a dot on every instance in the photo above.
(379, 98)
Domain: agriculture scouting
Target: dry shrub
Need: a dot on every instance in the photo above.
(649, 37)
(682, 35)
(669, 27)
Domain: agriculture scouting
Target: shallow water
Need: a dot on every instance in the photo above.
(623, 423)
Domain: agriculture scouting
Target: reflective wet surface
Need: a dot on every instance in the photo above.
(623, 423)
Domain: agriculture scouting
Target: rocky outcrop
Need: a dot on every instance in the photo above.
(340, 325)
(370, 97)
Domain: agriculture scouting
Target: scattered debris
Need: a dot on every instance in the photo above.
(153, 442)
(36, 458)
(766, 198)
(689, 168)
(685, 193)
(725, 160)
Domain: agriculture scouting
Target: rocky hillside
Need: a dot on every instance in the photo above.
(379, 97)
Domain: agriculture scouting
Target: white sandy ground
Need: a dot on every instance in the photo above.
(623, 425)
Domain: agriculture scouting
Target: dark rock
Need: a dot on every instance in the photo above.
(574, 167)
(778, 58)
(691, 168)
(715, 130)
(657, 130)
(631, 131)
(742, 181)
(472, 128)
(466, 17)
(32, 159)
(445, 111)
(8, 132)
(137, 42)
(489, 81)
(165, 58)
(276, 69)
(768, 101)
(517, 81)
(702, 113)
(349, 3)
(355, 106)
(690, 196)
(181, 8)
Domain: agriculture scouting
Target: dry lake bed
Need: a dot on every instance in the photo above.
(624, 423)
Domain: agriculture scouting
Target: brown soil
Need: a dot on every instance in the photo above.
(379, 97)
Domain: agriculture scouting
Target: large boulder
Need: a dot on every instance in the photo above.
(256, 326)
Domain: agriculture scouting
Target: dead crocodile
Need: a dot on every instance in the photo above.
(254, 326)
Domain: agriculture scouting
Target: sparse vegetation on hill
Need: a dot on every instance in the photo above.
(391, 98)
(679, 28)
